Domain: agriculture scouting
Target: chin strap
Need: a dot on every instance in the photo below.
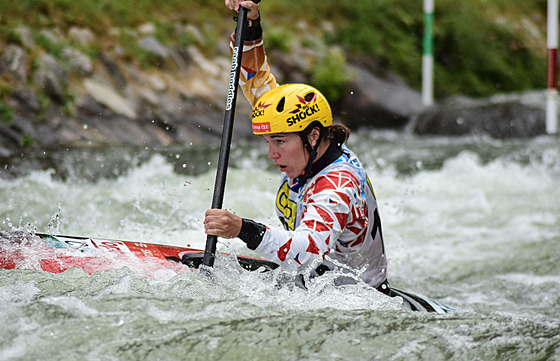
(307, 172)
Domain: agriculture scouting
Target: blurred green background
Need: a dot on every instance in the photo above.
(481, 47)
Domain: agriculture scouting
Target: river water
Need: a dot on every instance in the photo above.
(471, 222)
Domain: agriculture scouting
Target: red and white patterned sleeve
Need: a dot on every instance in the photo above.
(255, 76)
(330, 201)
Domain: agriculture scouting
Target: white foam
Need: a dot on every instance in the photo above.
(71, 304)
(23, 292)
(530, 280)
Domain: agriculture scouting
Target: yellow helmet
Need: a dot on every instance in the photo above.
(290, 108)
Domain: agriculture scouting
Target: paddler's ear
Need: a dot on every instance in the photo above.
(313, 136)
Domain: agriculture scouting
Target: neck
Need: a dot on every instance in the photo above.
(325, 143)
(326, 154)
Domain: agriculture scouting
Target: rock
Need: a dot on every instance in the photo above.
(285, 69)
(14, 61)
(23, 125)
(10, 141)
(371, 101)
(201, 62)
(147, 28)
(26, 36)
(166, 56)
(195, 34)
(82, 36)
(89, 107)
(114, 70)
(500, 118)
(78, 61)
(149, 95)
(13, 135)
(50, 35)
(107, 96)
(26, 99)
(183, 101)
(52, 77)
(152, 45)
(156, 82)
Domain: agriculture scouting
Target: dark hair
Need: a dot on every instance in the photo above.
(337, 133)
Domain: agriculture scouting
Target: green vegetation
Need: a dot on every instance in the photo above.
(53, 46)
(279, 39)
(481, 46)
(330, 76)
(26, 141)
(44, 102)
(133, 50)
(5, 114)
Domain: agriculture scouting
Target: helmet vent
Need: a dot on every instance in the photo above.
(309, 96)
(280, 106)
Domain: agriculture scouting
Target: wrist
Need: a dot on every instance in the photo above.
(251, 233)
(254, 29)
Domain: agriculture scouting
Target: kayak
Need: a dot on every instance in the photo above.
(58, 253)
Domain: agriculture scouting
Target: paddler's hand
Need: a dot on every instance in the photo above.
(221, 223)
(253, 8)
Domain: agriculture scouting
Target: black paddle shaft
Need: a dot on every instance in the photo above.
(227, 130)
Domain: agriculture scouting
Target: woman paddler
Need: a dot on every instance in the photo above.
(325, 201)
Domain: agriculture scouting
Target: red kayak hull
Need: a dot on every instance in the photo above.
(56, 254)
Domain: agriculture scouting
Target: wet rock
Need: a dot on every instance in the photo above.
(201, 62)
(26, 36)
(149, 95)
(113, 69)
(286, 69)
(498, 118)
(165, 56)
(182, 101)
(27, 100)
(51, 36)
(52, 77)
(147, 28)
(106, 95)
(15, 134)
(78, 61)
(24, 126)
(196, 35)
(371, 101)
(87, 106)
(152, 45)
(14, 62)
(10, 138)
(49, 131)
(156, 83)
(82, 36)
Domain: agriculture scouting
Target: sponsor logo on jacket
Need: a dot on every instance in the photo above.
(287, 207)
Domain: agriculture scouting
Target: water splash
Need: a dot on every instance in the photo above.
(471, 222)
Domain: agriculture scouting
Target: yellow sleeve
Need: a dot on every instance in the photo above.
(255, 76)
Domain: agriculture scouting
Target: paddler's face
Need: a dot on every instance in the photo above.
(288, 153)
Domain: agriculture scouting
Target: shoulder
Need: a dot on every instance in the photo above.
(350, 158)
(335, 179)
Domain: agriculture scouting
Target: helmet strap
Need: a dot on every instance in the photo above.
(308, 172)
